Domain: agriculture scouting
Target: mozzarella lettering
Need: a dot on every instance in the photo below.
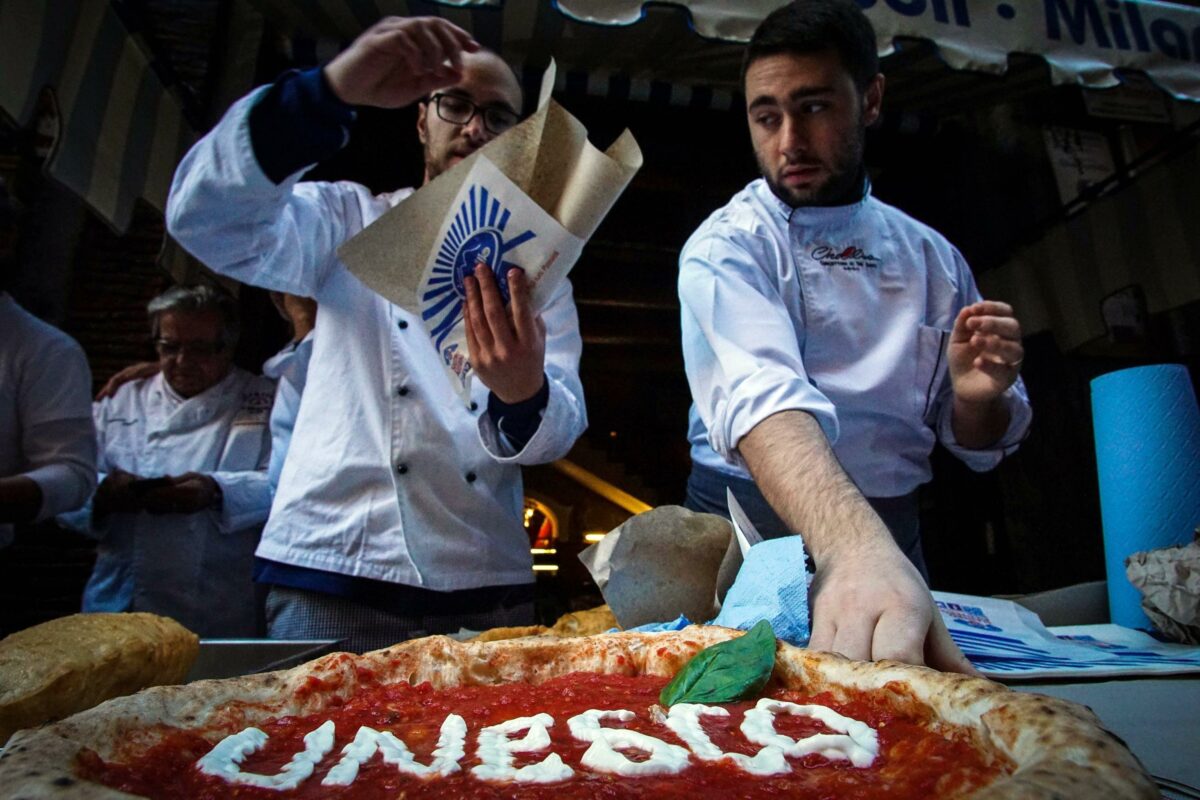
(852, 741)
(224, 760)
(603, 755)
(684, 720)
(496, 752)
(451, 747)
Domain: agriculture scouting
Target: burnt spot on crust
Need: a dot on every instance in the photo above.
(1047, 710)
(64, 781)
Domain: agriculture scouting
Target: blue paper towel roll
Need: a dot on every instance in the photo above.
(1147, 428)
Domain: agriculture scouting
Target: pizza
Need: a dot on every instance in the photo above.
(574, 718)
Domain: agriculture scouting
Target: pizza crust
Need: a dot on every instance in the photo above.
(1059, 747)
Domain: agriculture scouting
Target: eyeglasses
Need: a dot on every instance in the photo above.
(459, 111)
(169, 348)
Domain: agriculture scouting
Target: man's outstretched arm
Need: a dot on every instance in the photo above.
(869, 601)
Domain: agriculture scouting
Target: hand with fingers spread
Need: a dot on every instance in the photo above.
(507, 346)
(398, 61)
(868, 600)
(870, 603)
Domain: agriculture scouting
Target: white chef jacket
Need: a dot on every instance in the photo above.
(46, 430)
(391, 475)
(196, 568)
(289, 369)
(843, 312)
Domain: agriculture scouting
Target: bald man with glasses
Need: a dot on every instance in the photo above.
(398, 510)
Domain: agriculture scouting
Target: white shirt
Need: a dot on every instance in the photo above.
(196, 568)
(289, 369)
(843, 312)
(390, 475)
(46, 430)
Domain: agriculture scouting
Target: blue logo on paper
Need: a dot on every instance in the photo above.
(475, 237)
(967, 615)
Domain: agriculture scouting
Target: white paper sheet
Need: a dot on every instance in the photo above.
(1004, 640)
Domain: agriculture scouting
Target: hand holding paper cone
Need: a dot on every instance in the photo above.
(507, 346)
(529, 198)
(398, 61)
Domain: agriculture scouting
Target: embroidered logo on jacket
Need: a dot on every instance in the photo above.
(851, 259)
(255, 408)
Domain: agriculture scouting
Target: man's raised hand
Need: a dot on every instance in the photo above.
(985, 351)
(399, 60)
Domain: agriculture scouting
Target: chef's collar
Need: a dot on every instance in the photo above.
(178, 399)
(814, 215)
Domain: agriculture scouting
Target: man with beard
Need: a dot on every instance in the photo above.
(830, 339)
(398, 510)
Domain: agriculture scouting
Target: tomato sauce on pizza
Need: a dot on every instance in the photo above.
(580, 735)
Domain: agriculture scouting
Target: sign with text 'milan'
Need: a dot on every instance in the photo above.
(1083, 40)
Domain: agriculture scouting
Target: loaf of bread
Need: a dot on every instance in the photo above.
(66, 665)
(577, 623)
(585, 623)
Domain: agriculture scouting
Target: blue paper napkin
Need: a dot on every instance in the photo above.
(772, 585)
(677, 624)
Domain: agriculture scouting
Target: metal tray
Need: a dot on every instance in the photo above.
(229, 658)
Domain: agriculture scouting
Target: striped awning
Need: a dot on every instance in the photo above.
(661, 59)
(121, 130)
(118, 131)
(689, 42)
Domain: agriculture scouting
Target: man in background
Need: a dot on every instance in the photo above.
(183, 488)
(47, 443)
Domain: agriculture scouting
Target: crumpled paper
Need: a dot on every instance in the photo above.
(662, 563)
(670, 561)
(1169, 580)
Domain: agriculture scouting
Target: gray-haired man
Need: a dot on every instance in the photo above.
(183, 485)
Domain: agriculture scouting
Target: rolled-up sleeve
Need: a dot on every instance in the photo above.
(64, 453)
(741, 348)
(245, 499)
(1020, 414)
(58, 440)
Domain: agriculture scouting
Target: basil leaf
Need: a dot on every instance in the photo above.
(725, 672)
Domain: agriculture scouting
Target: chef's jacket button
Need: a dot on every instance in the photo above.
(471, 477)
(401, 468)
(402, 324)
(402, 391)
(474, 406)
